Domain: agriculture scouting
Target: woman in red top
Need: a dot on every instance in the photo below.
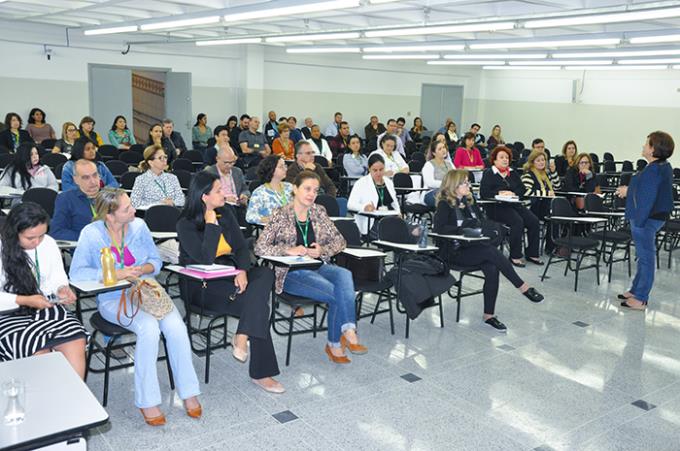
(468, 157)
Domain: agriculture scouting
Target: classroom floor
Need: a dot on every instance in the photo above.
(575, 372)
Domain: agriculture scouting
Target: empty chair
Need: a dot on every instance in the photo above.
(194, 156)
(627, 166)
(139, 148)
(131, 157)
(329, 203)
(321, 161)
(418, 156)
(162, 218)
(607, 156)
(127, 180)
(184, 164)
(5, 159)
(184, 177)
(117, 167)
(415, 165)
(108, 152)
(52, 160)
(44, 197)
(609, 166)
(640, 164)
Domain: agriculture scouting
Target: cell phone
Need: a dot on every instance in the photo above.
(54, 299)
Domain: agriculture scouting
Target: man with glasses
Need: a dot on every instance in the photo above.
(74, 209)
(234, 186)
(304, 160)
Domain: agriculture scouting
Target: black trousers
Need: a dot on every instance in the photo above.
(518, 218)
(252, 309)
(492, 262)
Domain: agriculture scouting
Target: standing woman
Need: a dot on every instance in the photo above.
(120, 135)
(155, 186)
(303, 228)
(649, 202)
(13, 134)
(84, 148)
(132, 246)
(69, 135)
(31, 270)
(86, 130)
(38, 128)
(26, 172)
(495, 139)
(354, 162)
(201, 133)
(209, 233)
(435, 169)
(274, 193)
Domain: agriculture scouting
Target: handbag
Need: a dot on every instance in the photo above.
(147, 295)
(367, 269)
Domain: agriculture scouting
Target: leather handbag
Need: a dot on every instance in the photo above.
(147, 295)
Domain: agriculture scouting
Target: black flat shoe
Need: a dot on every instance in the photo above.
(621, 296)
(533, 295)
(642, 308)
(535, 261)
(493, 322)
(517, 265)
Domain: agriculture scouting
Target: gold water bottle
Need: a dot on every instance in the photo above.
(108, 267)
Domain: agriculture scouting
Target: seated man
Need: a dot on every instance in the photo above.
(74, 209)
(304, 159)
(295, 133)
(340, 144)
(392, 130)
(374, 128)
(307, 129)
(234, 186)
(236, 131)
(174, 137)
(221, 134)
(253, 145)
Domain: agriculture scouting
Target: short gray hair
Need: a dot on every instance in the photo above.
(168, 121)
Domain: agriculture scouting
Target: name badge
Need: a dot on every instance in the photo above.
(382, 208)
(256, 146)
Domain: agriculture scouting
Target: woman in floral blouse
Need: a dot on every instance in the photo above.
(272, 194)
(156, 186)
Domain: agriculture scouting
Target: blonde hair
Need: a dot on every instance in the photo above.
(450, 183)
(107, 201)
(65, 127)
(149, 154)
(530, 167)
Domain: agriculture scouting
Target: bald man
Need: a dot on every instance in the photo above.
(234, 186)
(74, 209)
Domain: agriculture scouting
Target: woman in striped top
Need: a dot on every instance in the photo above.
(540, 184)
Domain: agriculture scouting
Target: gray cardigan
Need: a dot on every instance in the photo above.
(237, 175)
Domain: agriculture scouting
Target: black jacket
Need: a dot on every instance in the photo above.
(7, 141)
(200, 247)
(306, 132)
(573, 183)
(493, 183)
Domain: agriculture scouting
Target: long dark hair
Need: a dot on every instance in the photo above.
(31, 120)
(113, 127)
(79, 148)
(19, 277)
(198, 119)
(20, 165)
(194, 208)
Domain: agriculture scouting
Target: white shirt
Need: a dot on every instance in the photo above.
(52, 274)
(364, 192)
(325, 149)
(395, 163)
(400, 144)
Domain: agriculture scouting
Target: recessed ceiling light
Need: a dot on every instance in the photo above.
(651, 61)
(641, 67)
(617, 54)
(562, 63)
(520, 68)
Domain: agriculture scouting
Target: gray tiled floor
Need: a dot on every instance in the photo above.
(547, 384)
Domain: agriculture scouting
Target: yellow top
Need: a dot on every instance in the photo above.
(223, 248)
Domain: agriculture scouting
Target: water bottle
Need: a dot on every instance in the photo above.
(15, 393)
(108, 267)
(422, 242)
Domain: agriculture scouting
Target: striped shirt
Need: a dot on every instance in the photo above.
(535, 187)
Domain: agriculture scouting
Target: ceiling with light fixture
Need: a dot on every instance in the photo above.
(376, 28)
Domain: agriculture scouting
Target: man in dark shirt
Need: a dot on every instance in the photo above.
(340, 143)
(307, 129)
(74, 209)
(374, 128)
(174, 137)
(271, 128)
(253, 145)
(304, 159)
(221, 134)
(295, 133)
(236, 131)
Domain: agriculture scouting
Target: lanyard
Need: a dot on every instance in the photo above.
(120, 247)
(94, 212)
(282, 197)
(37, 268)
(305, 231)
(162, 187)
(381, 194)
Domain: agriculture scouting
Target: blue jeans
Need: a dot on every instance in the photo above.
(430, 198)
(645, 249)
(332, 285)
(148, 329)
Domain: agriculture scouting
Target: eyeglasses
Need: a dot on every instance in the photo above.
(71, 129)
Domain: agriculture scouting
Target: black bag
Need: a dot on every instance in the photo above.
(368, 269)
(426, 265)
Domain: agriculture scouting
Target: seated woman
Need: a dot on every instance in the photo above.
(272, 194)
(393, 161)
(120, 135)
(38, 128)
(354, 162)
(200, 132)
(450, 136)
(495, 138)
(569, 152)
(84, 148)
(158, 138)
(581, 178)
(283, 145)
(435, 169)
(130, 241)
(33, 291)
(372, 192)
(417, 130)
(468, 157)
(13, 134)
(302, 228)
(69, 135)
(86, 130)
(26, 172)
(456, 209)
(155, 186)
(501, 179)
(209, 233)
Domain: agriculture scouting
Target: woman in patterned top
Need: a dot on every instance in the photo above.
(156, 186)
(272, 194)
(302, 228)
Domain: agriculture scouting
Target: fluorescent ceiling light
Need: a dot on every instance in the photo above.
(324, 50)
(642, 67)
(229, 41)
(401, 57)
(562, 63)
(546, 44)
(415, 48)
(628, 16)
(467, 63)
(655, 39)
(314, 37)
(676, 67)
(495, 56)
(378, 2)
(269, 11)
(520, 68)
(617, 54)
(180, 23)
(110, 30)
(444, 29)
(652, 61)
